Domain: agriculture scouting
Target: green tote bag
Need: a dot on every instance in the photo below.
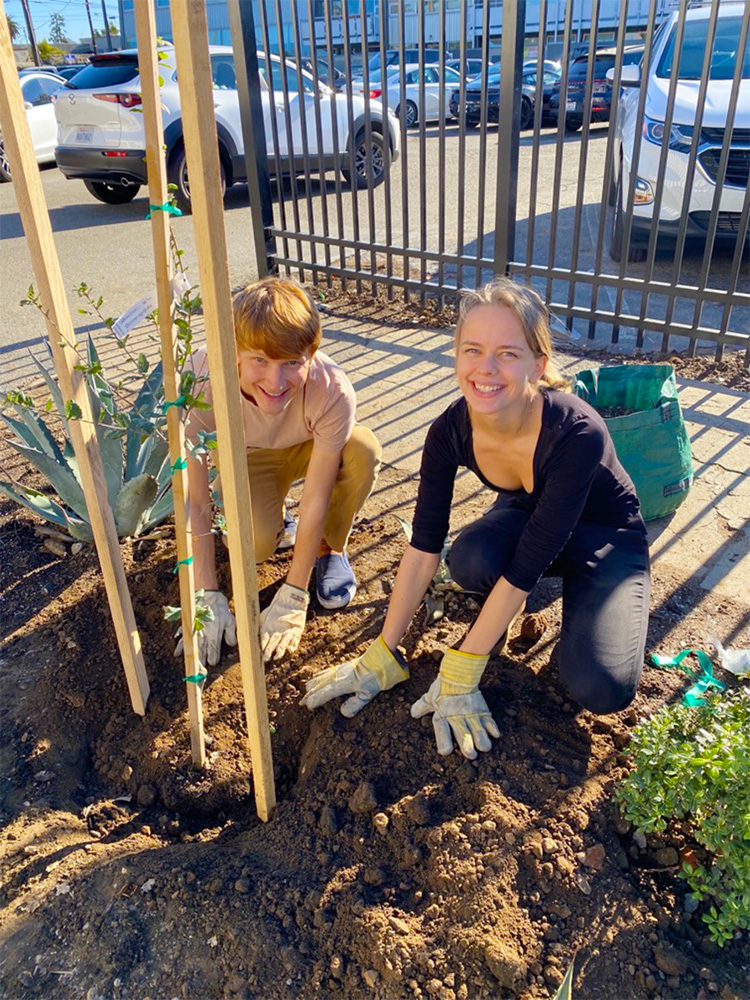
(642, 411)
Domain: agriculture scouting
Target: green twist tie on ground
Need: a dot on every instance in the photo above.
(180, 401)
(694, 695)
(195, 679)
(181, 463)
(182, 562)
(167, 207)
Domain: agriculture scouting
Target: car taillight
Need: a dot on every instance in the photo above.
(126, 100)
(375, 93)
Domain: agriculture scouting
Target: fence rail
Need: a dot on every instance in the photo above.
(551, 174)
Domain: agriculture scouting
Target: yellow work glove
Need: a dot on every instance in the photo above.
(377, 669)
(459, 709)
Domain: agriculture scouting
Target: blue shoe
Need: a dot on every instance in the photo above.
(290, 532)
(335, 582)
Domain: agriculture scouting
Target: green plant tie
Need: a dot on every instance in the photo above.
(183, 562)
(180, 401)
(167, 207)
(181, 463)
(694, 695)
(195, 679)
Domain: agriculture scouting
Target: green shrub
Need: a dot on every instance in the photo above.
(694, 763)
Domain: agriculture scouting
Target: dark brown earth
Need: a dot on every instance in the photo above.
(386, 871)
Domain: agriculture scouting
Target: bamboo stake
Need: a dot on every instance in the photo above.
(48, 276)
(148, 68)
(191, 46)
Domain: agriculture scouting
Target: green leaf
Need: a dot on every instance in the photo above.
(73, 410)
(565, 992)
(142, 363)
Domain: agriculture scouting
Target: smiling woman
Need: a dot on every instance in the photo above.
(565, 507)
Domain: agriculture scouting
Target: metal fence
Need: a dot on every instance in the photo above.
(551, 174)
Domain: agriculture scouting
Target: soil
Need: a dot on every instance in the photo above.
(386, 871)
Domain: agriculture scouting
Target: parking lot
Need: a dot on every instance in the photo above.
(109, 247)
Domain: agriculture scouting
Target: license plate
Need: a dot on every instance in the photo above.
(570, 106)
(85, 135)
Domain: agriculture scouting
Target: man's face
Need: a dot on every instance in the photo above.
(271, 382)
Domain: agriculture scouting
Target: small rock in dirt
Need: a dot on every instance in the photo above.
(56, 548)
(466, 774)
(433, 987)
(363, 800)
(371, 977)
(235, 983)
(533, 844)
(417, 810)
(374, 876)
(242, 886)
(76, 547)
(553, 975)
(44, 776)
(639, 839)
(381, 822)
(25, 978)
(669, 960)
(564, 864)
(336, 965)
(399, 925)
(533, 627)
(549, 846)
(506, 966)
(584, 885)
(328, 821)
(622, 825)
(146, 796)
(667, 857)
(691, 904)
(148, 885)
(595, 857)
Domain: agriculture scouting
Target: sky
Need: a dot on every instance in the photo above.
(74, 12)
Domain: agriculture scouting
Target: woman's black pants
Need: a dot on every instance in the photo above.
(606, 591)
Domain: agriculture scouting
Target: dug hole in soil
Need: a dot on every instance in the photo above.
(386, 871)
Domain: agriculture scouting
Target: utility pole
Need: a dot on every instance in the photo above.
(30, 32)
(106, 25)
(91, 26)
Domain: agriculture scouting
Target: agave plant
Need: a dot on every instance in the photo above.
(132, 443)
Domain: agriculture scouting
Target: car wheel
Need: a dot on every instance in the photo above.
(366, 161)
(178, 175)
(574, 124)
(411, 114)
(635, 253)
(4, 165)
(112, 194)
(527, 113)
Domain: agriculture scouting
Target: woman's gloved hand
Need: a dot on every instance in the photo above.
(457, 705)
(283, 622)
(221, 626)
(377, 669)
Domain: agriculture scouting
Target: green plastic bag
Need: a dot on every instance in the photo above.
(650, 438)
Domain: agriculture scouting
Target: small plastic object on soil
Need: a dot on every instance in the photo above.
(736, 661)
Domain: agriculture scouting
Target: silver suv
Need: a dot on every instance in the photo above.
(100, 136)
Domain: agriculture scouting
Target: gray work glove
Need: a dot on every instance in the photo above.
(377, 669)
(458, 707)
(283, 622)
(220, 626)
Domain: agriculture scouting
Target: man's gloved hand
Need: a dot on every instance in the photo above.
(221, 626)
(377, 669)
(458, 706)
(283, 622)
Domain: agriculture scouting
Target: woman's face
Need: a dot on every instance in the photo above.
(271, 382)
(495, 366)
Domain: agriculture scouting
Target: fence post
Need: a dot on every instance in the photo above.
(245, 45)
(508, 132)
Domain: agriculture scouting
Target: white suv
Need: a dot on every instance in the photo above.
(656, 78)
(100, 136)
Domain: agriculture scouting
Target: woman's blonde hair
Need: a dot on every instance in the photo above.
(278, 317)
(529, 308)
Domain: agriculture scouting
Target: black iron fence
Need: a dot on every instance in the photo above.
(614, 180)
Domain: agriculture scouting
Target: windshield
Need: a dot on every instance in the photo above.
(723, 56)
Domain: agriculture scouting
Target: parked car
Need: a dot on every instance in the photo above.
(327, 74)
(38, 89)
(393, 58)
(101, 138)
(413, 110)
(550, 87)
(68, 72)
(472, 112)
(601, 91)
(656, 79)
(468, 69)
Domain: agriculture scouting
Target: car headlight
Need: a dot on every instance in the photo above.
(680, 136)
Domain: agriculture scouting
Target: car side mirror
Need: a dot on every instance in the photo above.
(629, 77)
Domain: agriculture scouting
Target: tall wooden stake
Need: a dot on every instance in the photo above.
(148, 67)
(46, 266)
(191, 46)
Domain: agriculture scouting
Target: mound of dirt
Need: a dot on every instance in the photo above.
(386, 871)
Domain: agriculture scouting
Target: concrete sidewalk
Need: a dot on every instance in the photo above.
(404, 379)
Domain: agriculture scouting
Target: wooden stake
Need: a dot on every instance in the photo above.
(191, 46)
(148, 68)
(48, 277)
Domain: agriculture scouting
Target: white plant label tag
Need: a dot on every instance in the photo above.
(137, 313)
